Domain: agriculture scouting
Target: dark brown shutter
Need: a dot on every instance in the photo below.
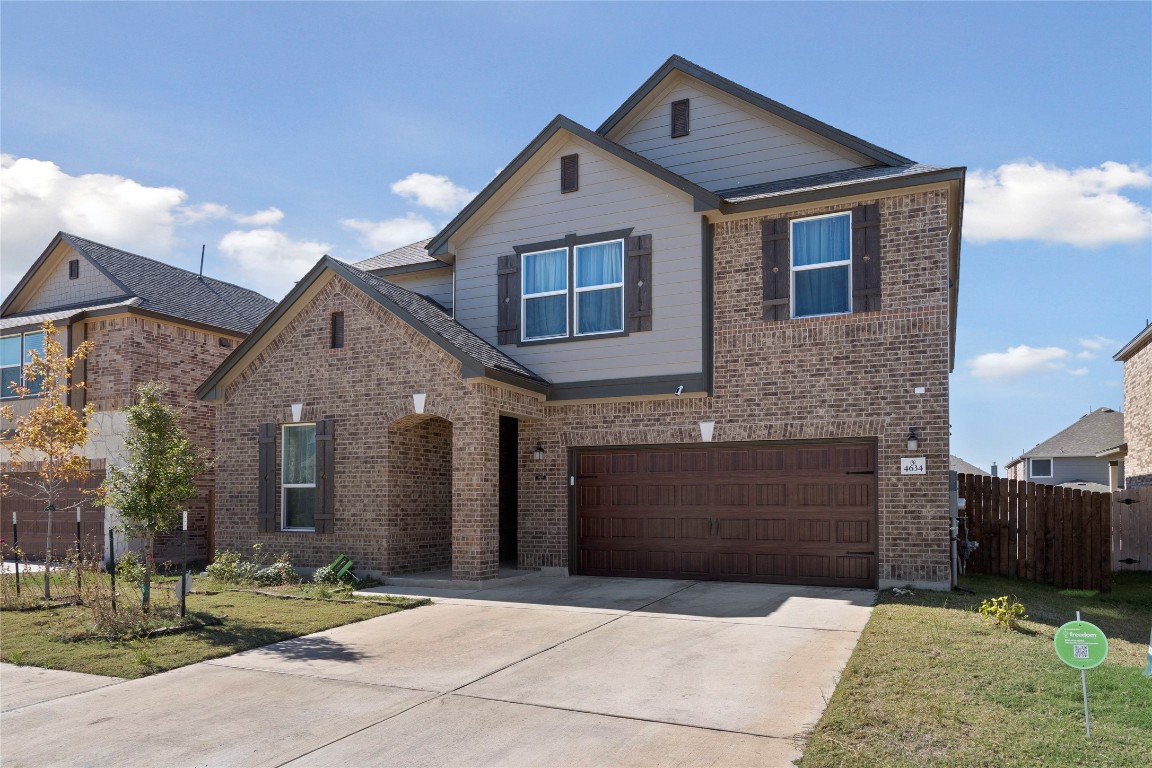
(776, 268)
(337, 330)
(866, 258)
(508, 298)
(266, 482)
(679, 118)
(638, 286)
(323, 516)
(570, 173)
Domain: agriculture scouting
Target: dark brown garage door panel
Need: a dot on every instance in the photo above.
(794, 513)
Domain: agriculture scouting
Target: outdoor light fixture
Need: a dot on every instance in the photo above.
(913, 440)
(538, 453)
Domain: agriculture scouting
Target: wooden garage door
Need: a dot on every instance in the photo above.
(795, 513)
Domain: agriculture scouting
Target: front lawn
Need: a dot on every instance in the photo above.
(931, 683)
(234, 620)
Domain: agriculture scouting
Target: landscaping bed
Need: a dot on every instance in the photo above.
(933, 683)
(222, 619)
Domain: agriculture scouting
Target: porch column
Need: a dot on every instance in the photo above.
(476, 496)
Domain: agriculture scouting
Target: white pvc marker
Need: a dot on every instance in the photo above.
(77, 513)
(185, 520)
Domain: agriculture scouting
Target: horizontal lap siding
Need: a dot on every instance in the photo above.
(729, 146)
(436, 284)
(612, 196)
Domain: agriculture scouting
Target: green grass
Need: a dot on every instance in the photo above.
(59, 638)
(931, 683)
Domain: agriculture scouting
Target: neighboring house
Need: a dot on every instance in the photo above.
(148, 321)
(693, 343)
(1076, 455)
(959, 465)
(1137, 453)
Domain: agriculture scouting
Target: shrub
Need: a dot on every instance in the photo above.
(998, 610)
(230, 568)
(325, 574)
(279, 573)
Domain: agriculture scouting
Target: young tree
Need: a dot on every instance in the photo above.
(53, 432)
(160, 474)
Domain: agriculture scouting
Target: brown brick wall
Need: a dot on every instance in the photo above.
(822, 378)
(129, 351)
(1138, 418)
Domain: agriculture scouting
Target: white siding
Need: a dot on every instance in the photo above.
(731, 144)
(612, 196)
(57, 290)
(436, 284)
(1087, 469)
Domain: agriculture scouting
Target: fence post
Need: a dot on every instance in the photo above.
(16, 552)
(112, 565)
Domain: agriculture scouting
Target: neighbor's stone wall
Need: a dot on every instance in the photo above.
(129, 350)
(1138, 418)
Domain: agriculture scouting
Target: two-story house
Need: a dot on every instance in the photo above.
(708, 340)
(148, 321)
(1085, 454)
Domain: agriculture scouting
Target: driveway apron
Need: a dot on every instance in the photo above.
(580, 671)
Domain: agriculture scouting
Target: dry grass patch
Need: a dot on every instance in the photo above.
(932, 683)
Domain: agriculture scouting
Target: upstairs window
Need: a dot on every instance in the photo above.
(600, 288)
(821, 265)
(596, 301)
(14, 356)
(546, 294)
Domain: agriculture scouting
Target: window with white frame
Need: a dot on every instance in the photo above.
(595, 301)
(14, 356)
(298, 477)
(1040, 467)
(821, 265)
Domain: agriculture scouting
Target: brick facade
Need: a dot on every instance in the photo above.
(848, 376)
(1138, 417)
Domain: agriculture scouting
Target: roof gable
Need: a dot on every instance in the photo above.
(158, 287)
(48, 284)
(648, 94)
(438, 246)
(1092, 433)
(477, 357)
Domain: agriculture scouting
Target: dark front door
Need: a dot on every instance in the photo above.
(509, 486)
(787, 513)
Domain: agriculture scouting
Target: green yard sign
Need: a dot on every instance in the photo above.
(1081, 645)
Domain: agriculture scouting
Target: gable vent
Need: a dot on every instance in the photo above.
(570, 173)
(74, 269)
(679, 118)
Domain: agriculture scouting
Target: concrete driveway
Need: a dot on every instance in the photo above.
(547, 672)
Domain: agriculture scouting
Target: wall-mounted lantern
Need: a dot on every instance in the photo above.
(538, 453)
(913, 439)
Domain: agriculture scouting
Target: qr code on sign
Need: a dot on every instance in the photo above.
(1079, 651)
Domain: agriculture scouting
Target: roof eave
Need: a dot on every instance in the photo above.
(1142, 340)
(867, 186)
(677, 63)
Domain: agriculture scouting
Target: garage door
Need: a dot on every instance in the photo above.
(795, 513)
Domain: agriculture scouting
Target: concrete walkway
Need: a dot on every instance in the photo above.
(546, 672)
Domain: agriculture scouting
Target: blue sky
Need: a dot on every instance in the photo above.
(274, 132)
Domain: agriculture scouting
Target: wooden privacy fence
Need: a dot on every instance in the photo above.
(1132, 530)
(1059, 536)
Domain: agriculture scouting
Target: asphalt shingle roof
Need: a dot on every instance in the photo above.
(825, 181)
(414, 253)
(38, 316)
(173, 291)
(1093, 433)
(433, 316)
(958, 464)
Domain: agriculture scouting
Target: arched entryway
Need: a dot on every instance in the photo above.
(418, 515)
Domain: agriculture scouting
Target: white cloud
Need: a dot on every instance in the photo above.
(269, 261)
(1029, 200)
(1018, 361)
(389, 234)
(436, 192)
(1079, 371)
(37, 199)
(191, 214)
(1097, 343)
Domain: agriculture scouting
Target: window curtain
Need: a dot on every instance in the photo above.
(600, 264)
(822, 291)
(547, 315)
